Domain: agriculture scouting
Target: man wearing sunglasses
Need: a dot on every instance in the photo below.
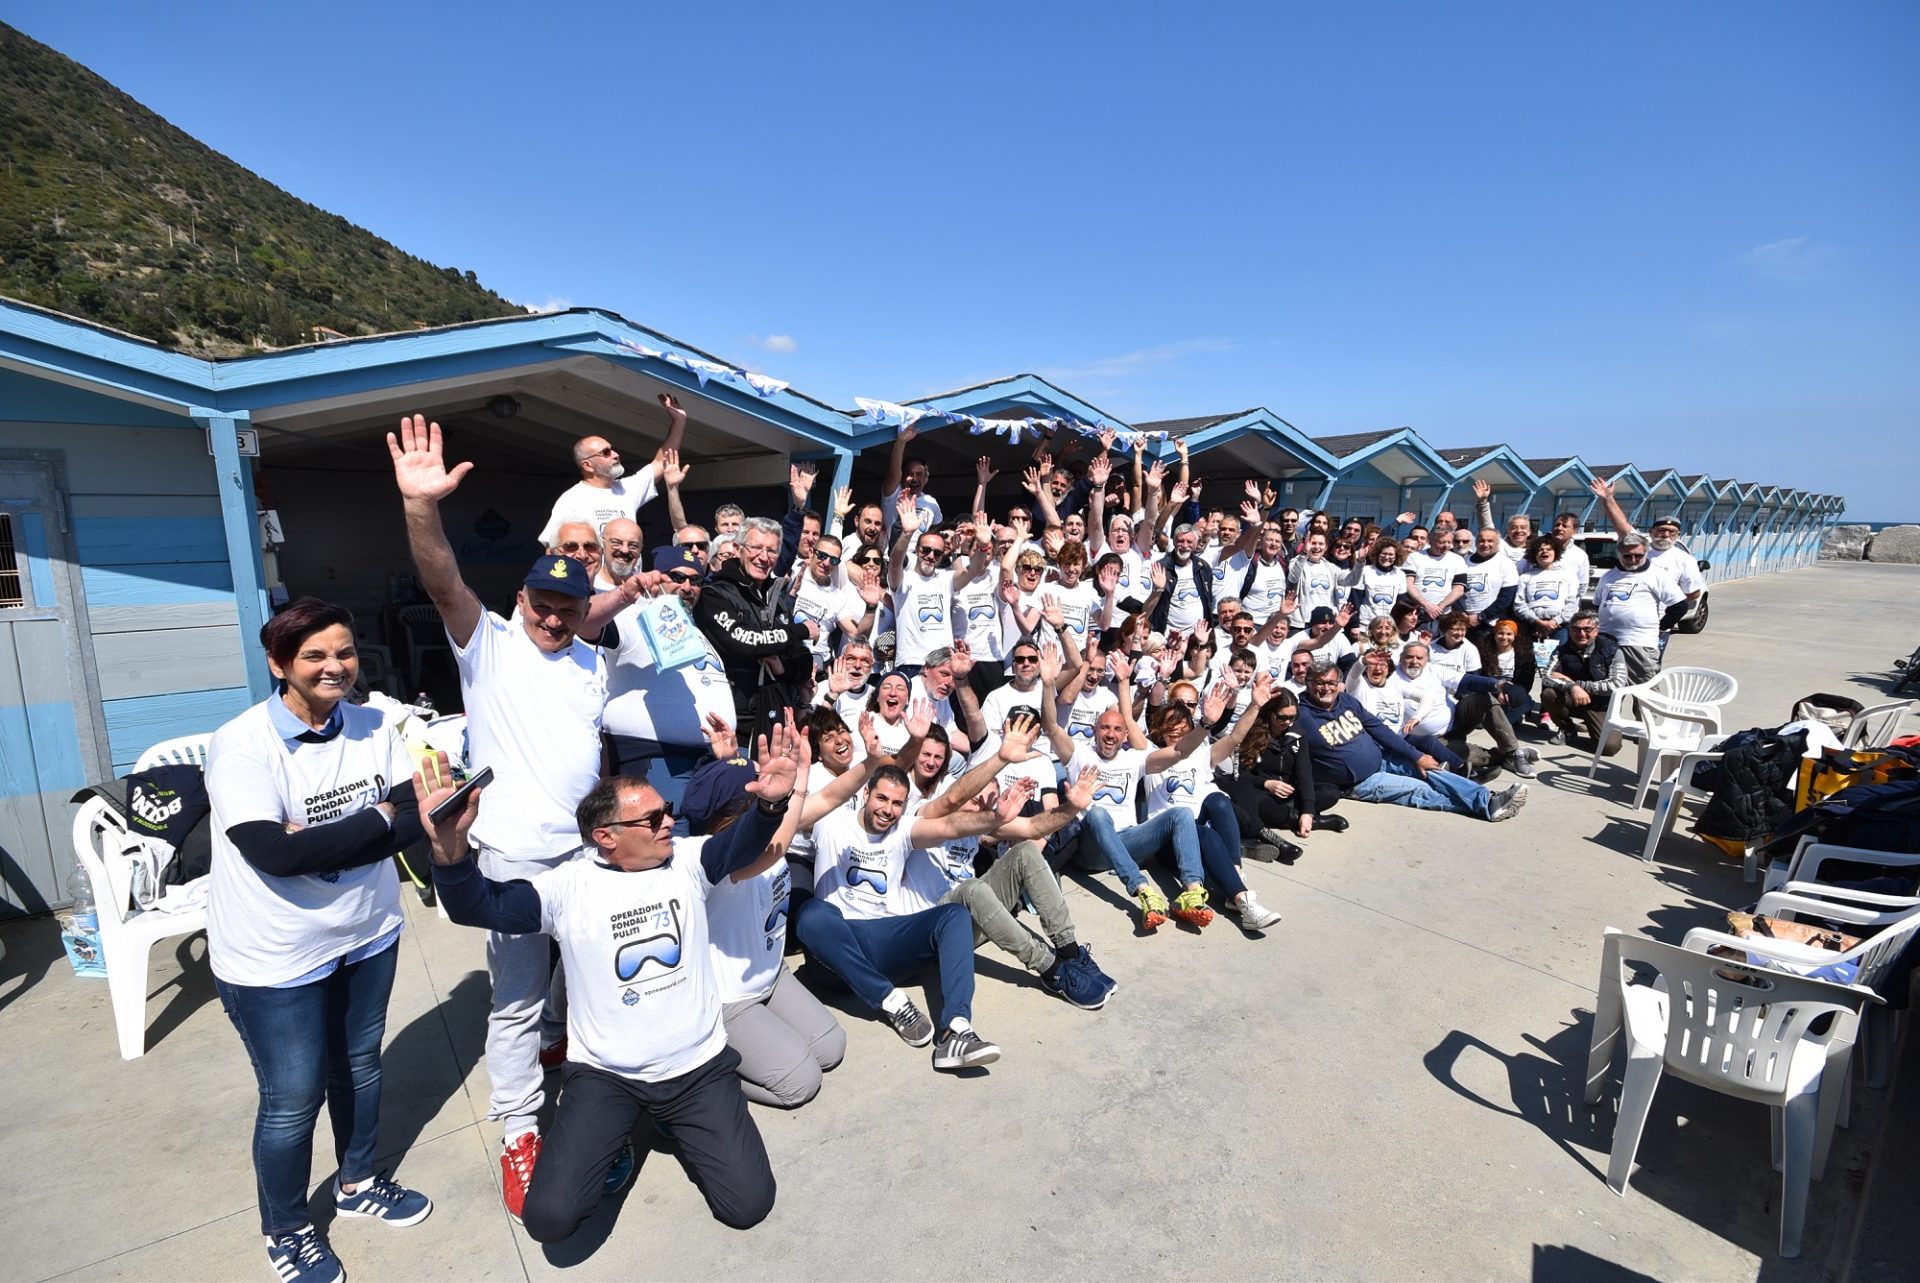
(923, 589)
(1636, 602)
(846, 603)
(630, 917)
(695, 540)
(605, 490)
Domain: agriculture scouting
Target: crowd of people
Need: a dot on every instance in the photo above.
(863, 732)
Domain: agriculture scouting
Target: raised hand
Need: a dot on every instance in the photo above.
(776, 767)
(1249, 512)
(1202, 630)
(720, 737)
(839, 680)
(1107, 437)
(869, 728)
(1156, 471)
(842, 503)
(1053, 612)
(1180, 448)
(1253, 490)
(672, 472)
(1289, 603)
(871, 589)
(919, 718)
(1220, 697)
(1178, 495)
(1268, 495)
(1481, 489)
(800, 478)
(1014, 798)
(1030, 481)
(1122, 669)
(962, 661)
(1079, 794)
(1159, 575)
(1407, 518)
(909, 513)
(1344, 615)
(909, 432)
(1198, 482)
(983, 470)
(1262, 690)
(1017, 738)
(1599, 485)
(674, 412)
(419, 468)
(433, 783)
(1099, 470)
(1050, 662)
(1106, 579)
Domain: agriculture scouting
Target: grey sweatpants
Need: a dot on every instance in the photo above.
(786, 1040)
(521, 1020)
(994, 897)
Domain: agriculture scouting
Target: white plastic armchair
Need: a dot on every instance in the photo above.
(1705, 690)
(1875, 726)
(1679, 788)
(1670, 730)
(125, 941)
(1745, 1032)
(1812, 859)
(187, 750)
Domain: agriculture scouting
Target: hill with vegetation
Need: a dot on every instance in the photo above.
(110, 213)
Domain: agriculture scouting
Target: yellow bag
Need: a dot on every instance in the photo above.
(1837, 769)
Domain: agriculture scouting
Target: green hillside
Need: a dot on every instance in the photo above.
(110, 213)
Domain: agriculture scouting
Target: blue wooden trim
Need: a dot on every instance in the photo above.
(1265, 425)
(136, 724)
(158, 584)
(1404, 439)
(33, 539)
(54, 764)
(1023, 390)
(29, 398)
(121, 541)
(112, 363)
(842, 478)
(234, 477)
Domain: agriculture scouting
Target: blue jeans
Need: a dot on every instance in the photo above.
(1435, 747)
(312, 1042)
(1401, 785)
(1219, 833)
(1124, 850)
(874, 954)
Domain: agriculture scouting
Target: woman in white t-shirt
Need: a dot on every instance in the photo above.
(311, 797)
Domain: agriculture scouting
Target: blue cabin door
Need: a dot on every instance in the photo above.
(41, 761)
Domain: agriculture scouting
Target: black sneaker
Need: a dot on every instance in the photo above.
(1507, 805)
(1284, 851)
(963, 1050)
(1330, 823)
(914, 1029)
(304, 1257)
(1264, 852)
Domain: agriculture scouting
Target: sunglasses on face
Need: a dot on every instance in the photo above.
(607, 453)
(660, 819)
(683, 577)
(1187, 704)
(698, 545)
(826, 558)
(868, 561)
(574, 546)
(1026, 659)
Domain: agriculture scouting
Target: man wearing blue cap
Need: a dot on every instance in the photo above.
(534, 694)
(657, 717)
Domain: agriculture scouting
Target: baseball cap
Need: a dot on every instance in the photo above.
(554, 573)
(1321, 615)
(712, 788)
(673, 557)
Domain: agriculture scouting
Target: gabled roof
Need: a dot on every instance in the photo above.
(1257, 438)
(1186, 427)
(1349, 443)
(1476, 461)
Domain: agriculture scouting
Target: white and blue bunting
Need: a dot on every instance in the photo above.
(758, 384)
(1013, 431)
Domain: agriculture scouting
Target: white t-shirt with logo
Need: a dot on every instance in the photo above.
(1379, 589)
(1386, 702)
(1187, 783)
(1485, 581)
(923, 615)
(978, 607)
(535, 719)
(1433, 576)
(1076, 607)
(860, 873)
(1119, 777)
(1183, 595)
(825, 604)
(1264, 592)
(1136, 578)
(748, 924)
(1003, 699)
(1088, 707)
(597, 505)
(670, 707)
(1552, 593)
(264, 930)
(1630, 605)
(641, 997)
(1314, 584)
(1677, 564)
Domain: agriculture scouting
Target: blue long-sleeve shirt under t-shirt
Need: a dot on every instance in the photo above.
(1347, 743)
(473, 900)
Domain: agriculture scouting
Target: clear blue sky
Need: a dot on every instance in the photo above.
(1680, 234)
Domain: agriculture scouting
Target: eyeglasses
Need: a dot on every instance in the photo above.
(574, 546)
(683, 576)
(872, 560)
(1026, 659)
(605, 453)
(1188, 704)
(1031, 570)
(660, 819)
(698, 545)
(826, 558)
(1283, 717)
(926, 551)
(624, 545)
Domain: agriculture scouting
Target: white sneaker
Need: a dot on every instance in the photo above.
(1255, 916)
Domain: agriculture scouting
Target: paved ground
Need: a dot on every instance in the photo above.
(1387, 1085)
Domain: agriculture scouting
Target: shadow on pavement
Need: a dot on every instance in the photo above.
(1555, 1263)
(33, 947)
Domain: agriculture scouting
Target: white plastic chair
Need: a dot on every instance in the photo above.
(1676, 789)
(1706, 690)
(125, 941)
(1669, 731)
(414, 622)
(1809, 860)
(1746, 1032)
(187, 750)
(1874, 727)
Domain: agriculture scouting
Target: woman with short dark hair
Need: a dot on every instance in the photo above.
(311, 795)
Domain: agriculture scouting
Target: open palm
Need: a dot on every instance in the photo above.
(419, 468)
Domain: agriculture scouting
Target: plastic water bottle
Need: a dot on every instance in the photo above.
(86, 916)
(424, 703)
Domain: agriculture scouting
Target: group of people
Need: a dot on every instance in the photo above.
(870, 735)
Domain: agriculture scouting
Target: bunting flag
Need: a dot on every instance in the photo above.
(888, 414)
(702, 370)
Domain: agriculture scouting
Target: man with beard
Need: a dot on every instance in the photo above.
(605, 490)
(619, 554)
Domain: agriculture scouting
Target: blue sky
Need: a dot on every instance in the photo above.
(1679, 234)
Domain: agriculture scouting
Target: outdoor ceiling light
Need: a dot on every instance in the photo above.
(503, 407)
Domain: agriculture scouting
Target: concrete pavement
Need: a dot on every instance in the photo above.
(1386, 1085)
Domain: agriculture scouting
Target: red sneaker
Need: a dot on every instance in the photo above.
(516, 1171)
(555, 1056)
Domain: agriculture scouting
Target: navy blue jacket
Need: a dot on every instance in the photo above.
(1347, 743)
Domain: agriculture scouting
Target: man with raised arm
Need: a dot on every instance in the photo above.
(534, 695)
(604, 490)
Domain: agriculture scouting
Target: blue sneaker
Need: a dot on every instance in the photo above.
(1086, 960)
(382, 1200)
(304, 1257)
(620, 1173)
(1072, 981)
